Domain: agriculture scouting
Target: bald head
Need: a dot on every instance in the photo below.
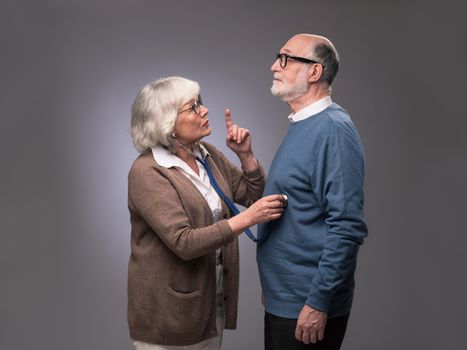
(309, 41)
(317, 48)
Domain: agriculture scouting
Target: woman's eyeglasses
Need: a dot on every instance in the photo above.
(195, 107)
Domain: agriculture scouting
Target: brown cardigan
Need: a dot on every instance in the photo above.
(171, 272)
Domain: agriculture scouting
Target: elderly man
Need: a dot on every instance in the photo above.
(307, 258)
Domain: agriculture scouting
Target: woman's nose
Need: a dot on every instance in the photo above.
(204, 111)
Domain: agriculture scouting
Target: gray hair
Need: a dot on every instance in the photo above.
(327, 55)
(155, 109)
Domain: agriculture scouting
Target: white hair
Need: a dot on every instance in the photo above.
(155, 109)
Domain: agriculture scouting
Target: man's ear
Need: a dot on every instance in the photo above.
(314, 73)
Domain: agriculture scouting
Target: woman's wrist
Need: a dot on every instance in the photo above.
(240, 222)
(248, 161)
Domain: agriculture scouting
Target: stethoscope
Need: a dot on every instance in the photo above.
(230, 204)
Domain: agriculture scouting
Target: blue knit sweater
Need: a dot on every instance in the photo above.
(310, 253)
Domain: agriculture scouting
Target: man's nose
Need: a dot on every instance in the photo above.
(275, 66)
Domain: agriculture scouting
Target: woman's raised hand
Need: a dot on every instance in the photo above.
(238, 139)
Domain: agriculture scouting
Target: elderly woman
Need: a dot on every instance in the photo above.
(183, 269)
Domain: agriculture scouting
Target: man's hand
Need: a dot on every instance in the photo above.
(310, 325)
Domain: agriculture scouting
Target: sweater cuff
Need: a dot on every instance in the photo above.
(226, 231)
(318, 299)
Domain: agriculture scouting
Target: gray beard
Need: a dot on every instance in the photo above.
(287, 93)
(290, 92)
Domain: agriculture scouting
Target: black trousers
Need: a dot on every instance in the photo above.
(279, 334)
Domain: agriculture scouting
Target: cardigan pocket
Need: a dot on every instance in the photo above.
(185, 311)
(183, 295)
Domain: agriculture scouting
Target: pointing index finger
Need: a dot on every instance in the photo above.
(228, 119)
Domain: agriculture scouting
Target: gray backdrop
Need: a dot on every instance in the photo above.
(69, 72)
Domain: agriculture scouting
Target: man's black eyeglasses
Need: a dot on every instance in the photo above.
(283, 57)
(195, 107)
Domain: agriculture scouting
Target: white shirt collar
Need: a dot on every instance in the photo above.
(311, 109)
(167, 159)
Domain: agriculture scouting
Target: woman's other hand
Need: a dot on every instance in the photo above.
(265, 209)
